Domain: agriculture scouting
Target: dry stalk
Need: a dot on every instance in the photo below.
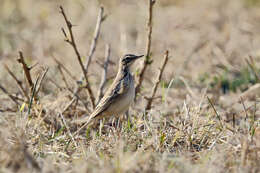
(71, 41)
(104, 74)
(33, 96)
(147, 59)
(9, 95)
(158, 79)
(93, 45)
(218, 116)
(41, 80)
(95, 37)
(26, 70)
(19, 83)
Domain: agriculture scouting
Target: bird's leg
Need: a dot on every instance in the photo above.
(118, 122)
(126, 115)
(113, 122)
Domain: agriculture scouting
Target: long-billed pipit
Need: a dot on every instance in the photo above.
(119, 96)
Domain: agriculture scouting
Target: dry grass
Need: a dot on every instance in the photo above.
(205, 116)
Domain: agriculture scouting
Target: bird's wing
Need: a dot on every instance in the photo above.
(115, 90)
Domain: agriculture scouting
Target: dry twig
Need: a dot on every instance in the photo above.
(71, 41)
(147, 59)
(41, 79)
(95, 37)
(19, 83)
(26, 70)
(158, 79)
(33, 96)
(218, 116)
(104, 74)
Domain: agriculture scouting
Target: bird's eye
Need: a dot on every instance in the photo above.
(126, 60)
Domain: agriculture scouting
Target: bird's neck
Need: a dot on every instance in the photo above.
(123, 71)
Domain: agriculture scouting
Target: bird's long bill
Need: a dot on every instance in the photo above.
(137, 57)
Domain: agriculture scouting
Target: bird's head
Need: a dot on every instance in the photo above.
(129, 59)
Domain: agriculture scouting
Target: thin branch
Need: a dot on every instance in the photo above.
(210, 102)
(100, 19)
(104, 73)
(26, 70)
(33, 97)
(71, 41)
(93, 45)
(9, 95)
(41, 79)
(19, 83)
(147, 59)
(95, 37)
(158, 79)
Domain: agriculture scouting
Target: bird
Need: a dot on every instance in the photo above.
(120, 94)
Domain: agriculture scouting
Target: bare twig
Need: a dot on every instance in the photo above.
(41, 79)
(33, 94)
(104, 74)
(18, 82)
(158, 79)
(9, 95)
(93, 45)
(210, 102)
(26, 70)
(147, 59)
(71, 41)
(95, 37)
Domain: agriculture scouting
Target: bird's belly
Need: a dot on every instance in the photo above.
(123, 104)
